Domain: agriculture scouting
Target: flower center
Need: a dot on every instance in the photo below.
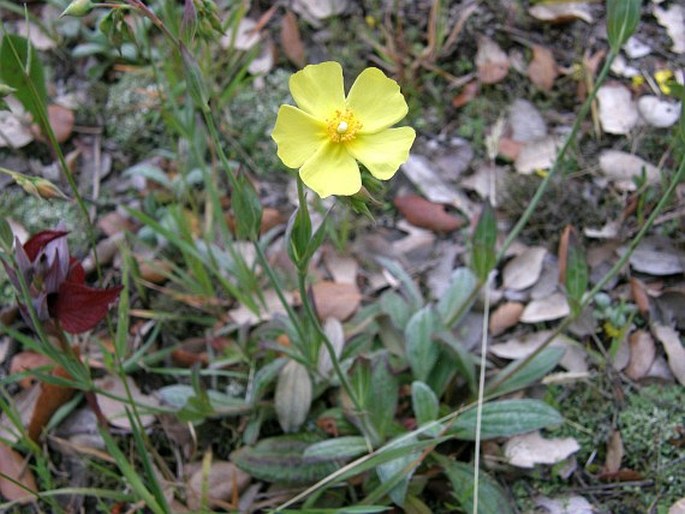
(342, 126)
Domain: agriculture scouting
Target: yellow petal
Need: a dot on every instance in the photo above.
(332, 171)
(376, 101)
(318, 89)
(297, 135)
(383, 152)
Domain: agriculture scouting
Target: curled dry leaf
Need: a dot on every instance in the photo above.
(542, 70)
(638, 291)
(612, 462)
(675, 351)
(524, 270)
(617, 110)
(425, 214)
(50, 398)
(293, 396)
(223, 481)
(642, 354)
(657, 112)
(291, 41)
(492, 62)
(504, 317)
(673, 19)
(527, 450)
(333, 300)
(16, 479)
(468, 93)
(561, 12)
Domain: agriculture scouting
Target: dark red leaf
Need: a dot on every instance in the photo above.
(33, 246)
(79, 308)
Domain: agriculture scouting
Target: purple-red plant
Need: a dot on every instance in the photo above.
(56, 283)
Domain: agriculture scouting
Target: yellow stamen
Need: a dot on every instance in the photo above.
(342, 126)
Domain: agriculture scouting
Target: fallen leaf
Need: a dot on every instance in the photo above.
(16, 479)
(615, 452)
(656, 256)
(642, 354)
(468, 93)
(425, 214)
(486, 181)
(673, 347)
(504, 317)
(39, 39)
(561, 12)
(115, 404)
(509, 149)
(26, 361)
(673, 19)
(678, 507)
(527, 124)
(542, 70)
(62, 122)
(244, 38)
(51, 397)
(553, 307)
(14, 133)
(114, 222)
(617, 110)
(527, 450)
(622, 167)
(635, 49)
(524, 270)
(291, 41)
(336, 335)
(334, 300)
(223, 481)
(537, 155)
(638, 291)
(564, 505)
(657, 112)
(343, 269)
(492, 62)
(273, 307)
(573, 360)
(316, 10)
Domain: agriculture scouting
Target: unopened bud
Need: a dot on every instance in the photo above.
(78, 8)
(6, 90)
(48, 190)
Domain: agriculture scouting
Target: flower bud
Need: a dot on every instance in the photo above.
(78, 8)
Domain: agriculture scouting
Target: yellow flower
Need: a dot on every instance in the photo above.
(327, 133)
(663, 77)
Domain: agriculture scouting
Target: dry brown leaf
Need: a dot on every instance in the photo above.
(638, 291)
(617, 110)
(527, 124)
(50, 398)
(642, 354)
(114, 222)
(468, 93)
(492, 62)
(223, 481)
(14, 470)
(291, 41)
(114, 409)
(509, 149)
(14, 133)
(527, 450)
(343, 268)
(62, 121)
(561, 12)
(504, 317)
(537, 155)
(550, 308)
(542, 70)
(612, 462)
(425, 214)
(524, 270)
(26, 361)
(670, 339)
(334, 300)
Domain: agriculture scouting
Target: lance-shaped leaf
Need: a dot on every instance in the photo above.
(573, 269)
(483, 254)
(293, 396)
(622, 19)
(21, 69)
(422, 352)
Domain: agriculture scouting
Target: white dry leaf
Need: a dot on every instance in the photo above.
(678, 507)
(634, 48)
(617, 110)
(491, 61)
(550, 308)
(656, 256)
(623, 167)
(527, 124)
(610, 230)
(574, 359)
(562, 11)
(416, 239)
(670, 339)
(660, 370)
(564, 505)
(621, 68)
(293, 396)
(244, 38)
(673, 19)
(486, 181)
(524, 270)
(115, 404)
(420, 171)
(657, 112)
(264, 62)
(244, 316)
(13, 132)
(220, 482)
(333, 329)
(537, 155)
(343, 268)
(316, 10)
(642, 354)
(527, 450)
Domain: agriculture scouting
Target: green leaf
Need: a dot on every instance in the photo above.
(458, 299)
(491, 498)
(340, 448)
(483, 256)
(464, 360)
(399, 471)
(281, 459)
(247, 210)
(577, 274)
(409, 289)
(622, 19)
(6, 235)
(22, 70)
(422, 352)
(381, 399)
(298, 232)
(506, 418)
(424, 403)
(532, 371)
(396, 308)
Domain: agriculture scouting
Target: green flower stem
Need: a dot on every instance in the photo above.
(585, 108)
(616, 268)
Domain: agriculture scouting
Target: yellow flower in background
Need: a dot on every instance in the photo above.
(327, 133)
